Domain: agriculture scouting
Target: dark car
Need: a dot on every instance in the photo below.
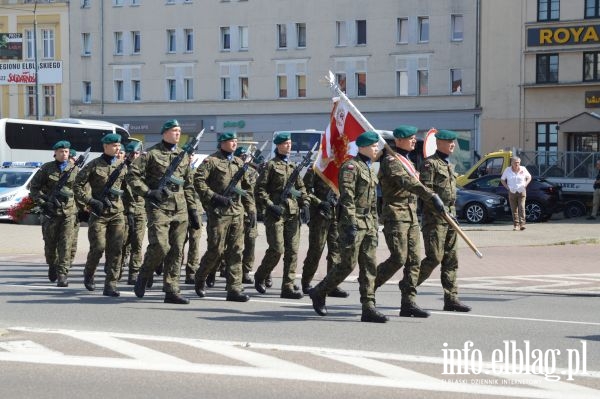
(543, 197)
(479, 207)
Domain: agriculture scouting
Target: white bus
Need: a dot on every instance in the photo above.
(25, 140)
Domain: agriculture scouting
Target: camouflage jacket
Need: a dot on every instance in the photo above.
(271, 183)
(358, 198)
(439, 176)
(91, 180)
(44, 181)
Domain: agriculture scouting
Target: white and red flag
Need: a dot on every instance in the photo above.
(338, 142)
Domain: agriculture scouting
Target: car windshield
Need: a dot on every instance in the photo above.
(11, 178)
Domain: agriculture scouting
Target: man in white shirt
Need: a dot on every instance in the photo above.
(515, 179)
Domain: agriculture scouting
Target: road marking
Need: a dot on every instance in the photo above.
(261, 365)
(458, 314)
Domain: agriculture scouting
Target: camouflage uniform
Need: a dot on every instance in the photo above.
(167, 220)
(250, 228)
(225, 229)
(400, 225)
(193, 239)
(57, 231)
(283, 232)
(136, 220)
(105, 231)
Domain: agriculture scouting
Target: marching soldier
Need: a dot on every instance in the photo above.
(250, 229)
(400, 222)
(57, 226)
(440, 240)
(77, 222)
(282, 219)
(225, 213)
(106, 223)
(323, 228)
(193, 235)
(357, 230)
(168, 210)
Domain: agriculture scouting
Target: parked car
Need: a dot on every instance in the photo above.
(14, 184)
(479, 207)
(543, 198)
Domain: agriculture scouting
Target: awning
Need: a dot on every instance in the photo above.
(585, 122)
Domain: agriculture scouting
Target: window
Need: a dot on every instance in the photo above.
(341, 81)
(170, 1)
(171, 41)
(244, 88)
(546, 68)
(243, 30)
(171, 89)
(456, 81)
(361, 32)
(225, 38)
(226, 88)
(548, 10)
(87, 92)
(118, 43)
(119, 95)
(118, 3)
(136, 42)
(592, 8)
(282, 86)
(423, 82)
(30, 46)
(591, 67)
(189, 40)
(423, 29)
(188, 86)
(30, 98)
(135, 2)
(547, 138)
(136, 90)
(85, 3)
(361, 84)
(301, 35)
(402, 26)
(281, 36)
(86, 44)
(341, 33)
(48, 43)
(402, 83)
(49, 101)
(457, 28)
(301, 86)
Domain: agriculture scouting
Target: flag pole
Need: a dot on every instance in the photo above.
(330, 81)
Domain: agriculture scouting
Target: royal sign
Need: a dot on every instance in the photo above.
(564, 35)
(49, 72)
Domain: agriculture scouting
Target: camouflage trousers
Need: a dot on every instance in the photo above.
(361, 251)
(224, 235)
(57, 233)
(440, 248)
(250, 234)
(74, 237)
(132, 247)
(321, 230)
(166, 239)
(403, 241)
(193, 254)
(106, 235)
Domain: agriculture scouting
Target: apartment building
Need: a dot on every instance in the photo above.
(254, 66)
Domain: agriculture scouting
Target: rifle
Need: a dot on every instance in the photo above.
(289, 190)
(62, 181)
(109, 191)
(333, 201)
(168, 177)
(231, 190)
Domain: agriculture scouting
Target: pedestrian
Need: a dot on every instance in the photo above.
(596, 198)
(440, 240)
(322, 229)
(59, 210)
(357, 230)
(225, 217)
(400, 190)
(168, 209)
(282, 217)
(94, 189)
(515, 179)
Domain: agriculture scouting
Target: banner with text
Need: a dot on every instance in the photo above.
(49, 72)
(11, 46)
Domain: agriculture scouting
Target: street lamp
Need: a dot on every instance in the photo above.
(35, 61)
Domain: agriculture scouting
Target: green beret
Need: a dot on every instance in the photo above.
(367, 138)
(111, 138)
(404, 131)
(168, 125)
(241, 150)
(227, 136)
(133, 146)
(72, 153)
(61, 144)
(446, 135)
(122, 148)
(282, 137)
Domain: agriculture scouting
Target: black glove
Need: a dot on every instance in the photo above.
(305, 214)
(221, 200)
(325, 209)
(97, 207)
(158, 195)
(48, 208)
(194, 220)
(276, 210)
(438, 204)
(349, 235)
(259, 159)
(251, 220)
(130, 221)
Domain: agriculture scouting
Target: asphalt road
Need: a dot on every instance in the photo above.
(534, 294)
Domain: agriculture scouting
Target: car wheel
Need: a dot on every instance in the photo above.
(533, 211)
(475, 213)
(574, 209)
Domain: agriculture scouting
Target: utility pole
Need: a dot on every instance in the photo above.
(35, 60)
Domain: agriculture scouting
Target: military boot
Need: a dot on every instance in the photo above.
(318, 302)
(62, 281)
(173, 297)
(189, 279)
(306, 287)
(236, 296)
(291, 294)
(456, 306)
(200, 287)
(337, 292)
(410, 309)
(260, 286)
(372, 315)
(52, 274)
(132, 278)
(210, 280)
(247, 279)
(110, 291)
(88, 281)
(140, 286)
(268, 282)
